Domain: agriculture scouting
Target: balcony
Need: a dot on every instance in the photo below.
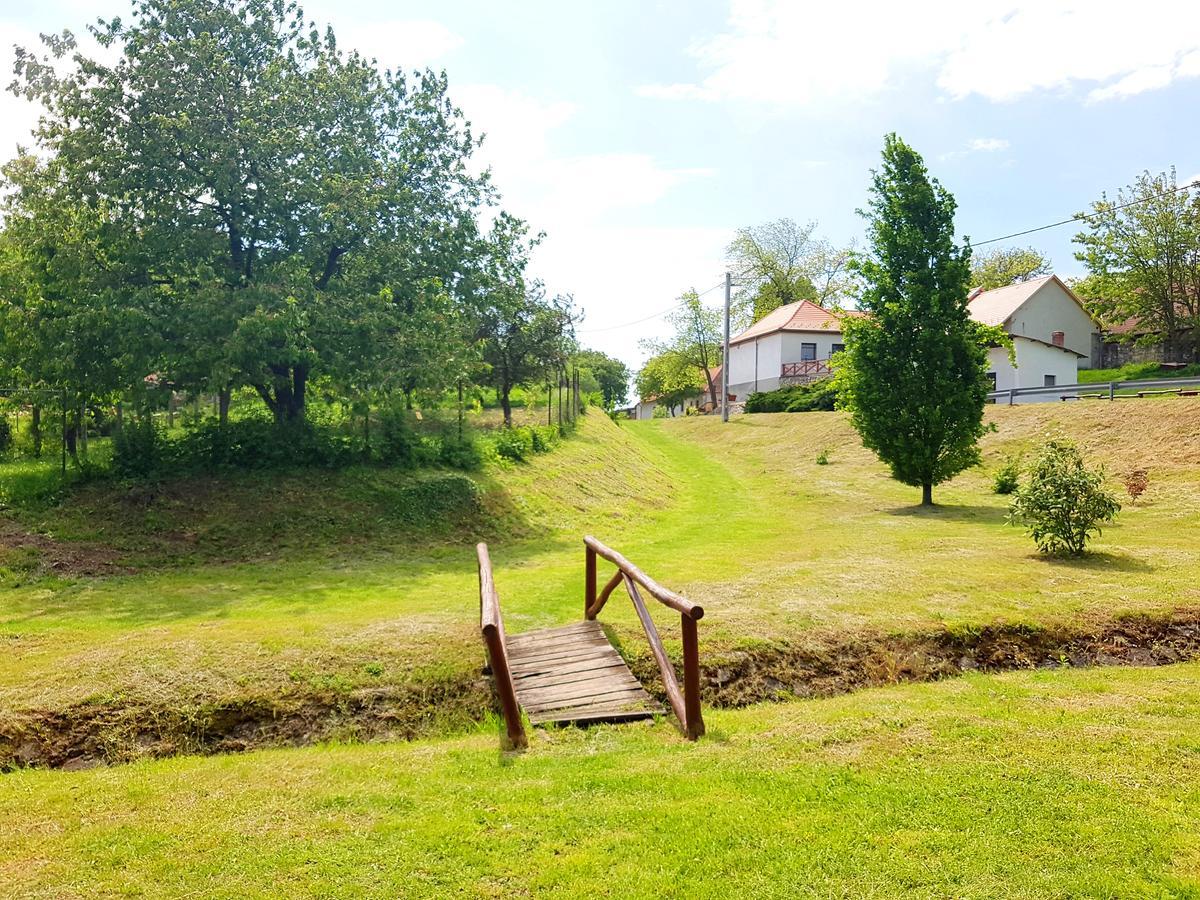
(805, 372)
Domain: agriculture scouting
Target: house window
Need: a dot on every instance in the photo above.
(1049, 380)
(836, 348)
(1056, 338)
(991, 377)
(808, 351)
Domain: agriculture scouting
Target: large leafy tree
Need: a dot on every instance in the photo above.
(1007, 265)
(695, 341)
(669, 379)
(780, 262)
(268, 200)
(605, 375)
(914, 372)
(1142, 251)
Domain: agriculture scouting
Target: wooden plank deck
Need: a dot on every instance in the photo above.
(573, 674)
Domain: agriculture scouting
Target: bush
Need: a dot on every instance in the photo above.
(514, 443)
(823, 458)
(399, 443)
(1008, 477)
(820, 395)
(1064, 503)
(6, 434)
(543, 438)
(460, 453)
(137, 448)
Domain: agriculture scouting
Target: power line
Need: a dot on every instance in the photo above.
(656, 315)
(1082, 217)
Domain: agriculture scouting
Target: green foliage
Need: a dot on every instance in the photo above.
(461, 453)
(687, 359)
(544, 438)
(669, 378)
(603, 375)
(6, 434)
(1007, 265)
(514, 444)
(1137, 372)
(438, 498)
(136, 448)
(781, 262)
(820, 395)
(823, 457)
(914, 371)
(1142, 252)
(1008, 477)
(1064, 503)
(399, 443)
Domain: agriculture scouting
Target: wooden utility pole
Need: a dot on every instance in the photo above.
(725, 354)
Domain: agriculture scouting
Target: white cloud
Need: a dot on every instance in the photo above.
(594, 209)
(987, 145)
(400, 43)
(791, 54)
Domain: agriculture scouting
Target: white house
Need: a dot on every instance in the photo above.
(1053, 337)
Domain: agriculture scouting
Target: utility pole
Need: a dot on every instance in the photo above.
(725, 355)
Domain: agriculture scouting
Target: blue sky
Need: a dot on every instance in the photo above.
(639, 135)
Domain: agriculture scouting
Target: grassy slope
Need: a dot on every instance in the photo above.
(741, 518)
(1058, 783)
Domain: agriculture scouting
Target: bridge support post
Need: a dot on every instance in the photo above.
(589, 580)
(694, 726)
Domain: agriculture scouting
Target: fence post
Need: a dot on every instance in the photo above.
(1112, 390)
(1012, 396)
(691, 678)
(589, 580)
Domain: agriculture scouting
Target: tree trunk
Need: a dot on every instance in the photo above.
(35, 430)
(927, 494)
(506, 405)
(223, 397)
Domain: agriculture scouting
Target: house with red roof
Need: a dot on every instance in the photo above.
(1053, 337)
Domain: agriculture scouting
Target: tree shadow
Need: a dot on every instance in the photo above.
(985, 515)
(1096, 562)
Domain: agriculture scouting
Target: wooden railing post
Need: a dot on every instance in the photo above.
(589, 582)
(694, 724)
(492, 626)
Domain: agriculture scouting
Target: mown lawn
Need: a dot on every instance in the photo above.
(1079, 783)
(741, 518)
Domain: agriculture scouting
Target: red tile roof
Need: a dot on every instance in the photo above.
(803, 315)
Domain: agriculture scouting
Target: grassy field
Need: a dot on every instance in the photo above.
(779, 550)
(1050, 784)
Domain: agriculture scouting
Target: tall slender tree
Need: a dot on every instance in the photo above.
(914, 372)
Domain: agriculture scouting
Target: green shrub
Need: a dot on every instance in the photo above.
(1008, 477)
(820, 395)
(823, 458)
(1064, 503)
(461, 453)
(514, 443)
(6, 434)
(399, 443)
(544, 438)
(137, 448)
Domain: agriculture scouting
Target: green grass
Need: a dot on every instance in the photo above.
(1136, 372)
(742, 519)
(1047, 784)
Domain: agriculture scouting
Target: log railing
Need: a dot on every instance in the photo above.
(492, 627)
(686, 703)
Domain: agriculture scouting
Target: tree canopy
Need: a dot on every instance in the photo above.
(781, 262)
(1007, 265)
(914, 371)
(1143, 260)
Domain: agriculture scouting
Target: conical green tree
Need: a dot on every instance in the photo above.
(914, 372)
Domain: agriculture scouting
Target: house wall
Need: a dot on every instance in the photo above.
(1034, 362)
(1052, 309)
(773, 351)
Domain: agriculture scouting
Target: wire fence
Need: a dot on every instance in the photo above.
(1104, 390)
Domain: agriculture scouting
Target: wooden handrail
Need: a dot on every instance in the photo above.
(492, 626)
(686, 703)
(653, 588)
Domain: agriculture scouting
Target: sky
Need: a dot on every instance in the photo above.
(640, 134)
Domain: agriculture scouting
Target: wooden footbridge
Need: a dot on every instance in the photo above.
(572, 674)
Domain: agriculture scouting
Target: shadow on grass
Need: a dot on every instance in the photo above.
(1096, 562)
(988, 515)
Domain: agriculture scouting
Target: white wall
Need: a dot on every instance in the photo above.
(748, 374)
(1034, 362)
(1051, 309)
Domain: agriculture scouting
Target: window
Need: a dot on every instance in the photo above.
(991, 377)
(836, 348)
(1049, 380)
(808, 351)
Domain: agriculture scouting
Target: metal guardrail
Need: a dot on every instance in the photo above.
(1109, 388)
